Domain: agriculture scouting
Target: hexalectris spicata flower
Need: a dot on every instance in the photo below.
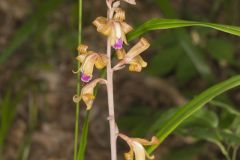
(137, 149)
(87, 93)
(89, 59)
(132, 57)
(116, 29)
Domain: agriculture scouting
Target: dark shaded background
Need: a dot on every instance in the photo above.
(37, 44)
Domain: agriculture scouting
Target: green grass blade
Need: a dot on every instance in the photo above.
(7, 116)
(157, 24)
(78, 87)
(84, 136)
(193, 106)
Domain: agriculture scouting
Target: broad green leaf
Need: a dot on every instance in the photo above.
(194, 105)
(157, 24)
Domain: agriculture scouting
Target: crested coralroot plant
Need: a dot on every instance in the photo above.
(115, 29)
(118, 32)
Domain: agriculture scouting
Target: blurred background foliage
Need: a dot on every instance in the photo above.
(37, 50)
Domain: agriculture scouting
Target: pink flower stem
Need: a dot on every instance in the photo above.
(112, 123)
(111, 118)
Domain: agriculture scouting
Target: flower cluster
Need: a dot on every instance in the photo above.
(89, 59)
(115, 29)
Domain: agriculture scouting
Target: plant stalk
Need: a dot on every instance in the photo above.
(78, 83)
(111, 117)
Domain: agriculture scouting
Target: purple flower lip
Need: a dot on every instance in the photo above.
(118, 44)
(85, 78)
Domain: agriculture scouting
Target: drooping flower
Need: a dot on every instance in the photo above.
(115, 28)
(87, 93)
(132, 57)
(89, 59)
(137, 150)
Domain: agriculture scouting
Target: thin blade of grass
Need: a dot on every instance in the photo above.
(84, 136)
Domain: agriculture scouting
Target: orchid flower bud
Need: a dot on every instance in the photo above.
(87, 93)
(137, 150)
(132, 57)
(89, 59)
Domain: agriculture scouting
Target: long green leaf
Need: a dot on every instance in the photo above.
(193, 106)
(157, 24)
(83, 139)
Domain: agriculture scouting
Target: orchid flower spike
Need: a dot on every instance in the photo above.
(89, 59)
(87, 93)
(137, 149)
(115, 28)
(132, 57)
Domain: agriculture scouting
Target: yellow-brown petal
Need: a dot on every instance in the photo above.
(126, 27)
(138, 150)
(139, 60)
(82, 57)
(129, 155)
(87, 92)
(154, 141)
(123, 37)
(88, 100)
(141, 46)
(120, 53)
(103, 25)
(88, 65)
(136, 64)
(82, 49)
(135, 68)
(119, 15)
(101, 61)
(148, 156)
(113, 37)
